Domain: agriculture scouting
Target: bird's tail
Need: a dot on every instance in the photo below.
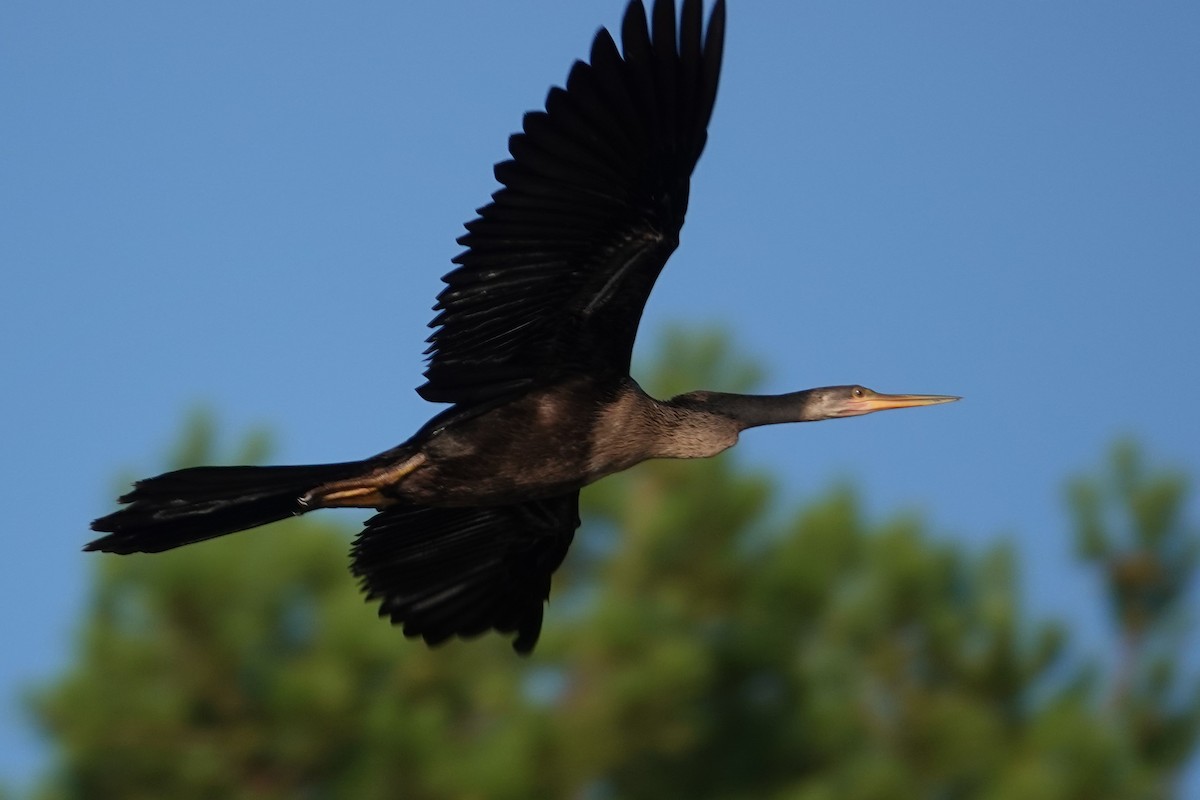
(191, 505)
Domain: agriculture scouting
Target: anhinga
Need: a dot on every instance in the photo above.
(531, 346)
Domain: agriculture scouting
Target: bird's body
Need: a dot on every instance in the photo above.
(532, 344)
(500, 455)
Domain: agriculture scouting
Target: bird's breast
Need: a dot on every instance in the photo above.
(535, 446)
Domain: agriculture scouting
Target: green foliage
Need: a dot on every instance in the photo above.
(702, 641)
(1130, 525)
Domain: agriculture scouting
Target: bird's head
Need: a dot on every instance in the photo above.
(832, 402)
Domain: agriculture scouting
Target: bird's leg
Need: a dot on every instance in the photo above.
(368, 491)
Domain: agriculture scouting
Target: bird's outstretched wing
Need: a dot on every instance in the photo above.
(559, 265)
(443, 572)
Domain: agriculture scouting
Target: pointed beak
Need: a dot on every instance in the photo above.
(882, 402)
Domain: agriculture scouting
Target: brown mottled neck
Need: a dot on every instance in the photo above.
(635, 427)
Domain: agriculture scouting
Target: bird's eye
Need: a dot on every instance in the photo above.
(858, 391)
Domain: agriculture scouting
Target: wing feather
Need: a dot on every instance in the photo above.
(445, 572)
(558, 266)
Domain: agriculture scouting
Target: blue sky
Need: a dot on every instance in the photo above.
(249, 205)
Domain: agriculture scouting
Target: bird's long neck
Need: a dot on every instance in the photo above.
(751, 410)
(636, 427)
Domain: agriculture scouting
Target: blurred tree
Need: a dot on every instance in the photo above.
(1131, 525)
(702, 642)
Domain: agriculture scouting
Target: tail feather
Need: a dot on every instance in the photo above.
(192, 505)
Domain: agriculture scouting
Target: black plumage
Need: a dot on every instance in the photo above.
(443, 572)
(559, 265)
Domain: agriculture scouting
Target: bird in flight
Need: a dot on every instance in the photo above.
(531, 348)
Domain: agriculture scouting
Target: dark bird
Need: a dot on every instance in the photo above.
(531, 346)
